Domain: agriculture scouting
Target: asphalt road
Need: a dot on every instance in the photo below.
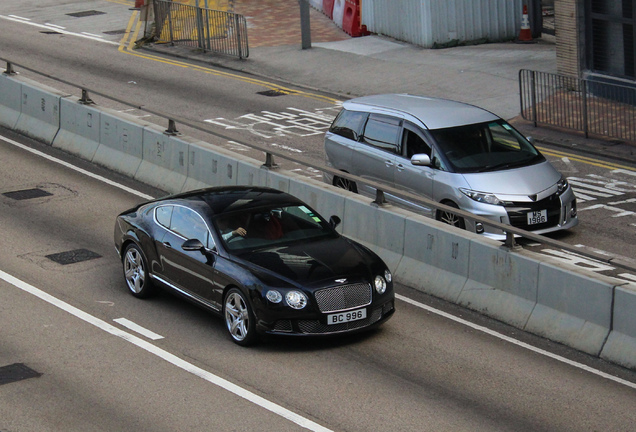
(421, 371)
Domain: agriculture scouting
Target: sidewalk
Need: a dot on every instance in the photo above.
(484, 75)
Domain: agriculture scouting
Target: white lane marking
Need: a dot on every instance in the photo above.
(169, 357)
(91, 34)
(57, 29)
(80, 170)
(20, 18)
(515, 341)
(138, 329)
(405, 299)
(56, 26)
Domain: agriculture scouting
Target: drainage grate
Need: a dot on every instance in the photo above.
(272, 93)
(85, 13)
(27, 194)
(74, 256)
(16, 372)
(50, 32)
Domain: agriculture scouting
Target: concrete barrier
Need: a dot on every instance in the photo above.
(164, 162)
(10, 101)
(39, 112)
(621, 345)
(574, 307)
(559, 301)
(79, 132)
(120, 142)
(501, 283)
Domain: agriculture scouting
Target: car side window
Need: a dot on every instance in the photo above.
(382, 132)
(163, 215)
(189, 225)
(413, 142)
(348, 124)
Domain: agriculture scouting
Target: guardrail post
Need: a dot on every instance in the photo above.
(584, 95)
(380, 200)
(533, 97)
(9, 70)
(269, 161)
(237, 27)
(85, 99)
(172, 128)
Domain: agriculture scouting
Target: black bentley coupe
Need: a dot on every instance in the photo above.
(261, 258)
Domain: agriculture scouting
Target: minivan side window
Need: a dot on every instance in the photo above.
(412, 142)
(382, 132)
(348, 124)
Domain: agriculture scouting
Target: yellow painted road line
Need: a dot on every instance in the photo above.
(585, 160)
(127, 44)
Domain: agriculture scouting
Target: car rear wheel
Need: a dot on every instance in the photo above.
(239, 318)
(345, 184)
(136, 273)
(449, 217)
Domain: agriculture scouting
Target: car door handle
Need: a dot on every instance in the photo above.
(400, 167)
(167, 244)
(388, 163)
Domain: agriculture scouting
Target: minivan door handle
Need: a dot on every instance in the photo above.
(400, 167)
(388, 162)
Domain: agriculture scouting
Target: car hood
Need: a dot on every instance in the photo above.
(533, 182)
(315, 263)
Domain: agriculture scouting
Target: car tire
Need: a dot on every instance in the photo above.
(345, 184)
(450, 218)
(239, 318)
(136, 272)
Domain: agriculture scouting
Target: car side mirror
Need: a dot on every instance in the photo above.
(334, 221)
(193, 245)
(421, 160)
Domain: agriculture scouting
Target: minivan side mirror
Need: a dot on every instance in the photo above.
(421, 160)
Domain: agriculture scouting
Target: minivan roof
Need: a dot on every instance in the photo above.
(435, 113)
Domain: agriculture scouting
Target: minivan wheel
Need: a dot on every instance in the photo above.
(450, 218)
(345, 184)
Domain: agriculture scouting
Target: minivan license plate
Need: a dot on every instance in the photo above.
(537, 217)
(344, 317)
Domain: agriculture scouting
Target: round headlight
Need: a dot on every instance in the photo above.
(274, 296)
(387, 275)
(296, 299)
(380, 284)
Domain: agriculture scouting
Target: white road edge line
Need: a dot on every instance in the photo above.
(515, 341)
(57, 29)
(138, 329)
(399, 297)
(165, 355)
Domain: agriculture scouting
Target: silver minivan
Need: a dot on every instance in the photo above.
(453, 153)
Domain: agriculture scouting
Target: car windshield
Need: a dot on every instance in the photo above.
(265, 227)
(483, 147)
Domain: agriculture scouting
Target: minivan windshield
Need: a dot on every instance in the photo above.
(482, 147)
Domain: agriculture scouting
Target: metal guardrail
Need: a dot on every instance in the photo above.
(588, 106)
(269, 163)
(209, 30)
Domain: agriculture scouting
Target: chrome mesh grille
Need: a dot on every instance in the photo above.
(343, 297)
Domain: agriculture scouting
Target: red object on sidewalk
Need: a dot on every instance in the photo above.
(351, 19)
(525, 34)
(327, 8)
(139, 4)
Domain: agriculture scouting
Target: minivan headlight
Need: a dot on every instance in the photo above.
(562, 185)
(482, 197)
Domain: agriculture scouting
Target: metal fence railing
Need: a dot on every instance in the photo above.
(588, 106)
(209, 30)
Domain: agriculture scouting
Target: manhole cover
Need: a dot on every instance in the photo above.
(27, 194)
(272, 93)
(85, 13)
(74, 256)
(16, 372)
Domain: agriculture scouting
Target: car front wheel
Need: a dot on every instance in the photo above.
(451, 218)
(136, 272)
(239, 318)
